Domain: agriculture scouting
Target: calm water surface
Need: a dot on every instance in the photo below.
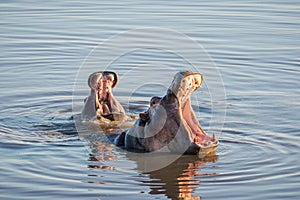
(254, 44)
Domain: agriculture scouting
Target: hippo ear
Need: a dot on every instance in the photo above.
(116, 78)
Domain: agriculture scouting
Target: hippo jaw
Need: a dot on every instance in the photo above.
(183, 85)
(101, 103)
(170, 123)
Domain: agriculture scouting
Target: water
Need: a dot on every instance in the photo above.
(255, 46)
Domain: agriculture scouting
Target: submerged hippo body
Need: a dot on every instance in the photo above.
(101, 103)
(170, 123)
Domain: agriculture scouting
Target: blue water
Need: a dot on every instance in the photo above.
(250, 60)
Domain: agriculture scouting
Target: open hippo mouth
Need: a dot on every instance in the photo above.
(101, 103)
(103, 83)
(170, 123)
(183, 85)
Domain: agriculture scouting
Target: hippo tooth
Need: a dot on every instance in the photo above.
(214, 137)
(196, 139)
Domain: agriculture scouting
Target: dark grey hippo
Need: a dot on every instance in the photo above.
(170, 125)
(101, 103)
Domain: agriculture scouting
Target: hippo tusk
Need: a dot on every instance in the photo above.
(214, 137)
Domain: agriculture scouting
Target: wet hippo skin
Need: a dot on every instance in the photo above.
(101, 102)
(170, 123)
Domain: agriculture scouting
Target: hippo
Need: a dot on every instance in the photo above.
(169, 124)
(101, 103)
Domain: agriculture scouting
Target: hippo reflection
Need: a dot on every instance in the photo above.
(170, 123)
(177, 180)
(101, 103)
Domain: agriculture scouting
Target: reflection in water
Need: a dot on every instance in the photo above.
(176, 181)
(101, 151)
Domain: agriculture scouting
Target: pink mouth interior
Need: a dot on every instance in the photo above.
(192, 124)
(104, 93)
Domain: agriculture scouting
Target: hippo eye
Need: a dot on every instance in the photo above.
(154, 101)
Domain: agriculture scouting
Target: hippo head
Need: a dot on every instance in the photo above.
(101, 103)
(170, 122)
